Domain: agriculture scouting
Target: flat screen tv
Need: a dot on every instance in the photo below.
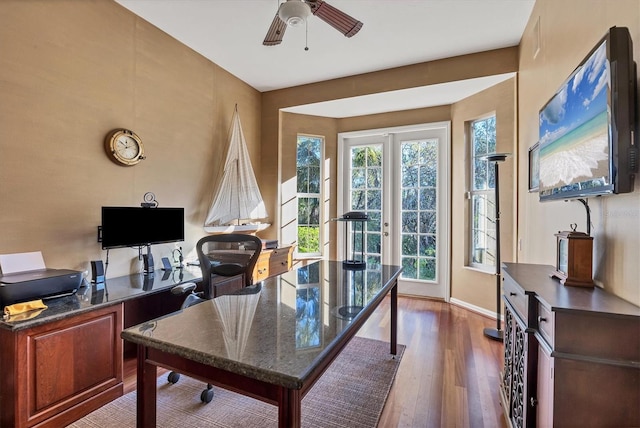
(137, 226)
(587, 137)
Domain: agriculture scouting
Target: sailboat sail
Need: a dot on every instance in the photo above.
(238, 196)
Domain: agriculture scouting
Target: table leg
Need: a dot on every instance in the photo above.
(394, 319)
(289, 409)
(146, 390)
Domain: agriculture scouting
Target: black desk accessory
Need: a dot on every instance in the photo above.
(166, 264)
(354, 217)
(179, 259)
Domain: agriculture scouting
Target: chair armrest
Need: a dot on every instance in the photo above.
(183, 288)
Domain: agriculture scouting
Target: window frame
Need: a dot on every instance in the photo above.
(488, 192)
(319, 195)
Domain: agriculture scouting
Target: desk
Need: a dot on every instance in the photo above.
(67, 360)
(272, 345)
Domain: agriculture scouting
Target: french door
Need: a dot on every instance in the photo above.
(400, 178)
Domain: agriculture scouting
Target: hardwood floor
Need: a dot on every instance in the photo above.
(449, 373)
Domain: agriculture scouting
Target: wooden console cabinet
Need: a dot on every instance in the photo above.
(571, 354)
(272, 262)
(56, 372)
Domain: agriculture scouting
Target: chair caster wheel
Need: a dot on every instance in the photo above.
(173, 377)
(206, 396)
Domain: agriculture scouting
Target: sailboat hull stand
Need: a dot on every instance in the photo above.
(244, 228)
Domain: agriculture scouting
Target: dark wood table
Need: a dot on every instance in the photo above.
(271, 344)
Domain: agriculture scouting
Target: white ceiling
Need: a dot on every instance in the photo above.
(395, 33)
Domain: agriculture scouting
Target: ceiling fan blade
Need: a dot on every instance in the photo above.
(276, 32)
(339, 20)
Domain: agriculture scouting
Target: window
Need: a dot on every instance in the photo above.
(309, 179)
(482, 184)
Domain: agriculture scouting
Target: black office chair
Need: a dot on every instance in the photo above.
(224, 255)
(228, 254)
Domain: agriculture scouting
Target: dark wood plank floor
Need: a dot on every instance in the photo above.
(449, 372)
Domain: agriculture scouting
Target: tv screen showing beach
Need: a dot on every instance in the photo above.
(574, 133)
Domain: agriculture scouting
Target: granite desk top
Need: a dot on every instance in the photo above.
(277, 333)
(114, 290)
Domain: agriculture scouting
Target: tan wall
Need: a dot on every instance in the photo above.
(70, 71)
(565, 40)
(467, 284)
(398, 118)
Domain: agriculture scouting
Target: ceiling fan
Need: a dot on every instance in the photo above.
(295, 13)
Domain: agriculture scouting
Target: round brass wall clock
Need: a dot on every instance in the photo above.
(124, 147)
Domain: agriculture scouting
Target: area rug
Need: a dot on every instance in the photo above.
(351, 393)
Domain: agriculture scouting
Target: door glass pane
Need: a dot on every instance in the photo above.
(365, 194)
(410, 222)
(419, 166)
(357, 179)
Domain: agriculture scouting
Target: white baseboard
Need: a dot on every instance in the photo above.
(474, 308)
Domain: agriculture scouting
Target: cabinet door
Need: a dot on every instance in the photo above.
(544, 410)
(508, 359)
(518, 395)
(60, 371)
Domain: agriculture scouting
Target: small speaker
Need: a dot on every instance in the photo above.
(97, 271)
(148, 263)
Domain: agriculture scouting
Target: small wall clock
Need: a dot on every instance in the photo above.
(124, 147)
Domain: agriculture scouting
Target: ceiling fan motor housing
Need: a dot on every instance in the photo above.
(294, 12)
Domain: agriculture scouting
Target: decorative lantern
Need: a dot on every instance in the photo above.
(357, 219)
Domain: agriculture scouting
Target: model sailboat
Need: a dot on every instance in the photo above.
(237, 205)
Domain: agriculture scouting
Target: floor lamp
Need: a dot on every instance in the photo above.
(497, 333)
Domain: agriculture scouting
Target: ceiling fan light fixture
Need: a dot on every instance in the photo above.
(294, 12)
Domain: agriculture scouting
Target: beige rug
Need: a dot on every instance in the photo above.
(351, 393)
